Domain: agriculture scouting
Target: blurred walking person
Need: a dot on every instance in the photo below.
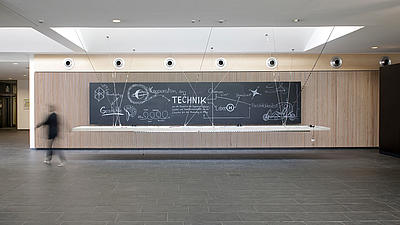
(53, 126)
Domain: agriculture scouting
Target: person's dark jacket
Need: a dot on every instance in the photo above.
(52, 123)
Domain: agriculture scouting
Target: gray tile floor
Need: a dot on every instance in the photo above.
(280, 187)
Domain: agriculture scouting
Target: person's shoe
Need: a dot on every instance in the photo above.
(61, 164)
(47, 162)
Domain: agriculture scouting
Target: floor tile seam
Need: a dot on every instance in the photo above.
(143, 221)
(312, 222)
(338, 213)
(74, 221)
(397, 216)
(394, 209)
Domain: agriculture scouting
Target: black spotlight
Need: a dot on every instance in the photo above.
(68, 63)
(272, 62)
(221, 63)
(118, 63)
(336, 62)
(385, 61)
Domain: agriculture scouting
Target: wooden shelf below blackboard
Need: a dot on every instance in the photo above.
(202, 129)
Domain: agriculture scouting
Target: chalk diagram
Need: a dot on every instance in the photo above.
(139, 94)
(274, 88)
(113, 106)
(99, 94)
(201, 103)
(280, 111)
(130, 112)
(114, 100)
(254, 93)
(154, 114)
(221, 103)
(286, 108)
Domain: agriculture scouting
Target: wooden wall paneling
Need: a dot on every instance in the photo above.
(333, 99)
(345, 83)
(372, 108)
(356, 102)
(375, 83)
(324, 104)
(308, 106)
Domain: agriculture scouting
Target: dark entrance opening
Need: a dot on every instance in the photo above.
(8, 104)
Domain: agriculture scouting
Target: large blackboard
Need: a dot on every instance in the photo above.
(197, 103)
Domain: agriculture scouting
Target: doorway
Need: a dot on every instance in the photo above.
(8, 104)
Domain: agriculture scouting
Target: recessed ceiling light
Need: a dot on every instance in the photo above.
(374, 47)
(116, 21)
(15, 63)
(24, 75)
(10, 78)
(41, 21)
(297, 20)
(221, 21)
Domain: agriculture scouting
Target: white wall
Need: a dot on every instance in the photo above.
(22, 114)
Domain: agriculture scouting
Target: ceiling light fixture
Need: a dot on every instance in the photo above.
(116, 21)
(221, 21)
(374, 47)
(24, 75)
(297, 20)
(10, 78)
(15, 63)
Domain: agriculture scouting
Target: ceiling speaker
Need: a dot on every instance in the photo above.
(336, 62)
(68, 63)
(118, 63)
(272, 62)
(220, 63)
(385, 61)
(169, 63)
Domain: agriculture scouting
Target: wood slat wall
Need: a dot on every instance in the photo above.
(345, 101)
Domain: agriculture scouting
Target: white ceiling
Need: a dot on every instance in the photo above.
(14, 71)
(238, 13)
(380, 18)
(8, 68)
(202, 39)
(28, 40)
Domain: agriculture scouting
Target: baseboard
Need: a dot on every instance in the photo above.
(389, 153)
(213, 149)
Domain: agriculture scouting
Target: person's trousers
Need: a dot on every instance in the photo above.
(50, 152)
